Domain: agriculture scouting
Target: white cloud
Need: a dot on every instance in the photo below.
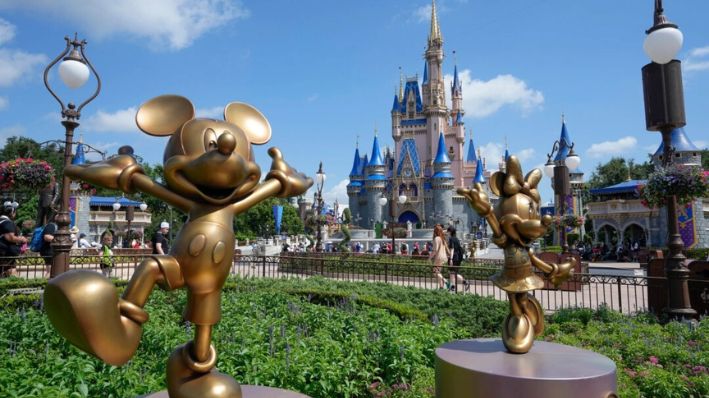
(612, 147)
(338, 192)
(525, 154)
(121, 121)
(175, 24)
(7, 31)
(16, 65)
(423, 13)
(4, 102)
(215, 112)
(313, 97)
(483, 98)
(701, 144)
(697, 60)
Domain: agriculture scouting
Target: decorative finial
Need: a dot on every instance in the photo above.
(435, 34)
(506, 146)
(563, 118)
(357, 142)
(401, 84)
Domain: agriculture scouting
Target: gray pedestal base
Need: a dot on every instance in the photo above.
(249, 392)
(482, 368)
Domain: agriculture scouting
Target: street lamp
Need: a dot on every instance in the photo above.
(319, 182)
(664, 111)
(74, 71)
(383, 201)
(558, 170)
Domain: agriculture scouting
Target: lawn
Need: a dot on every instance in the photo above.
(336, 339)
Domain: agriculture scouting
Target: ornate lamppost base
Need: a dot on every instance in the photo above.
(248, 392)
(483, 368)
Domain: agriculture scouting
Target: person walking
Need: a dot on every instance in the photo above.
(440, 254)
(160, 243)
(456, 257)
(47, 251)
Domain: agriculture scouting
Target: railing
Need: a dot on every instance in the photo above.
(627, 294)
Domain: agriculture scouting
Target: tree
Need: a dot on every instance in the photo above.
(705, 159)
(618, 170)
(259, 220)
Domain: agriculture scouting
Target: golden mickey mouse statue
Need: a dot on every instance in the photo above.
(210, 174)
(515, 223)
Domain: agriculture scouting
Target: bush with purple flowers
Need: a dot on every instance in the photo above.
(686, 183)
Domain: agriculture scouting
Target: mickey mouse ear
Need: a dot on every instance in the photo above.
(250, 120)
(164, 115)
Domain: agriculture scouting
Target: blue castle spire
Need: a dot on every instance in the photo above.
(479, 178)
(507, 154)
(376, 159)
(356, 170)
(680, 142)
(395, 107)
(362, 164)
(472, 157)
(441, 155)
(456, 81)
(425, 73)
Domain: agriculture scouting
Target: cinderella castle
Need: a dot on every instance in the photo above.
(427, 162)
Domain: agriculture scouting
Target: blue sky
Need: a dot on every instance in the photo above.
(325, 72)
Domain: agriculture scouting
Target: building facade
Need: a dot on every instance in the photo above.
(427, 162)
(620, 216)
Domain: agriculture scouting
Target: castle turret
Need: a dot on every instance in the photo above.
(396, 119)
(356, 181)
(685, 151)
(375, 183)
(479, 177)
(442, 184)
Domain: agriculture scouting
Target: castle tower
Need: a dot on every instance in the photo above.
(442, 184)
(684, 150)
(356, 182)
(375, 182)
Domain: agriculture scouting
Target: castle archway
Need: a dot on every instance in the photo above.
(408, 216)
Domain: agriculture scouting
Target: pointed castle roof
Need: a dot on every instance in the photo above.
(435, 33)
(471, 158)
(479, 178)
(376, 159)
(456, 82)
(680, 143)
(355, 164)
(396, 107)
(441, 154)
(425, 72)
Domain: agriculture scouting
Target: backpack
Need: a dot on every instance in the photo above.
(457, 251)
(37, 239)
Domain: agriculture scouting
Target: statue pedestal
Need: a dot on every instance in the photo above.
(483, 368)
(249, 392)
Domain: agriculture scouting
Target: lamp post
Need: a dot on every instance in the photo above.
(558, 170)
(74, 71)
(383, 201)
(664, 111)
(319, 182)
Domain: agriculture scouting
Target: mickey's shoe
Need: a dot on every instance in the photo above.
(187, 378)
(84, 308)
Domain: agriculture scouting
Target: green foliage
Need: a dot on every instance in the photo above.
(653, 360)
(701, 253)
(618, 170)
(346, 216)
(259, 221)
(344, 245)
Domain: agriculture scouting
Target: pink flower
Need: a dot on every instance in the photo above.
(654, 360)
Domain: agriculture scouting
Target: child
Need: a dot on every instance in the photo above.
(106, 253)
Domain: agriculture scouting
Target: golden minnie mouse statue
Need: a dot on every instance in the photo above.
(210, 174)
(515, 223)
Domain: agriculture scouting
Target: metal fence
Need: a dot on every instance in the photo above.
(627, 294)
